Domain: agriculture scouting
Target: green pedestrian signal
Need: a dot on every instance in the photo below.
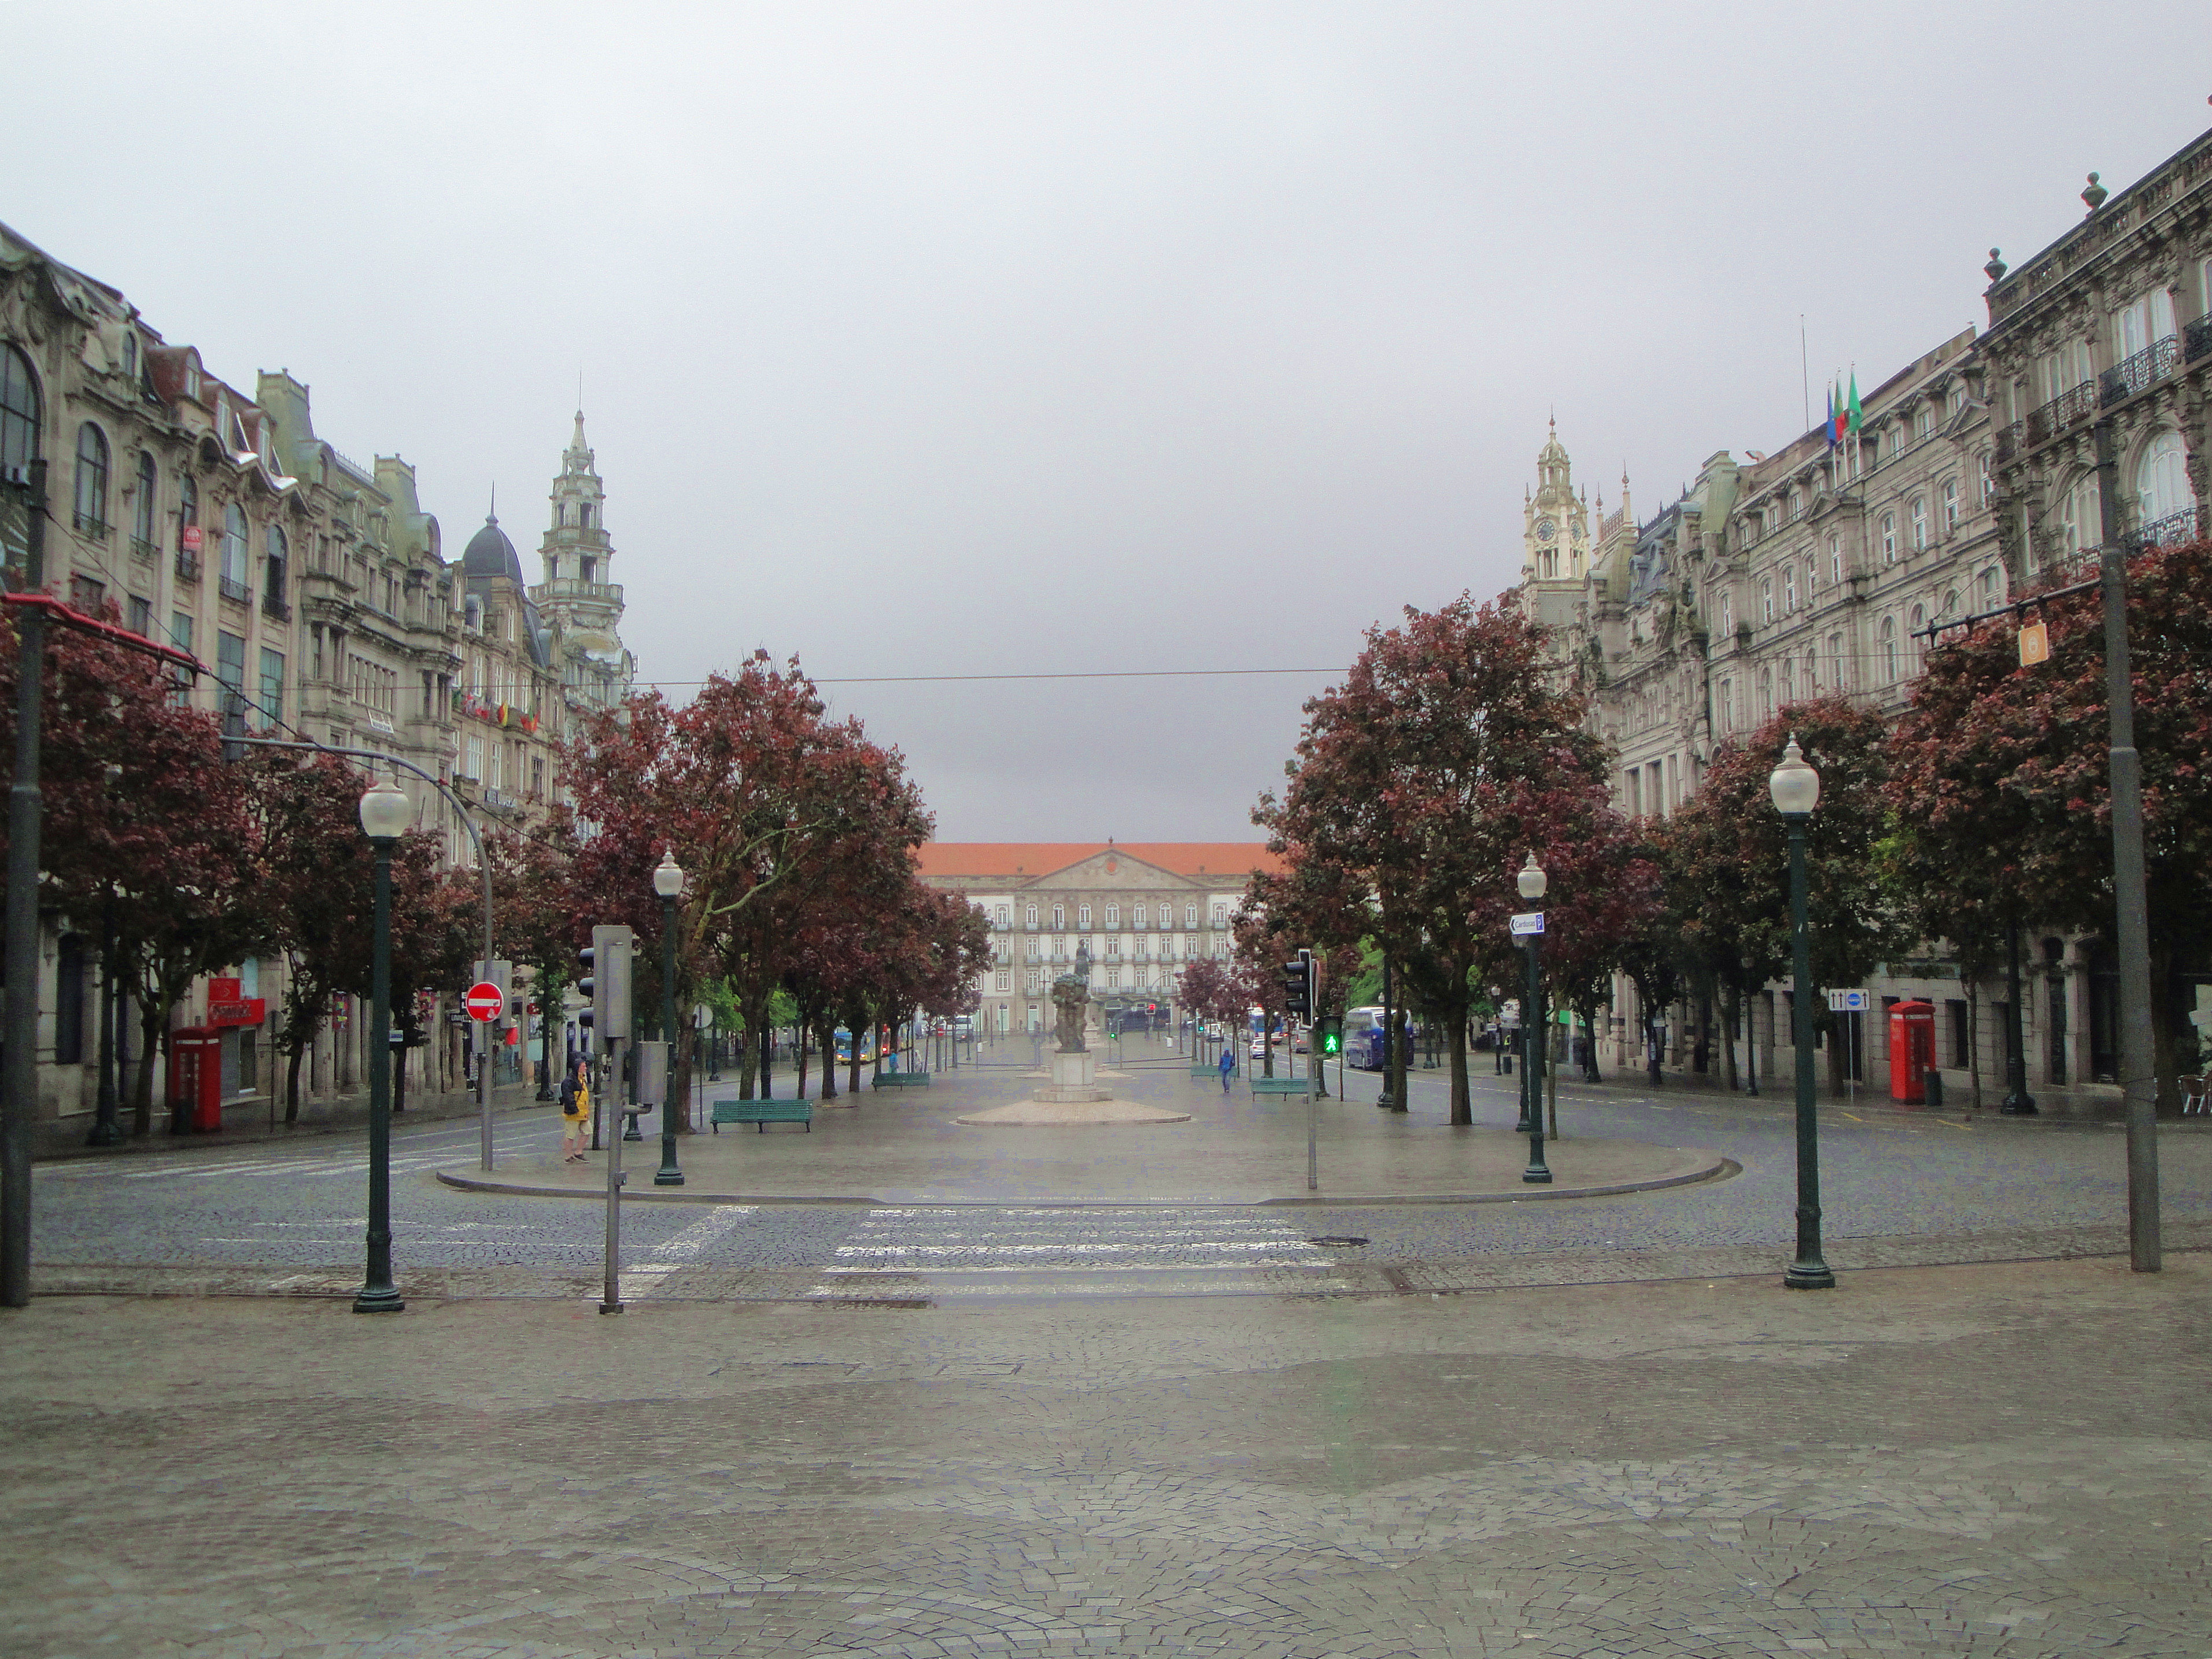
(1332, 1037)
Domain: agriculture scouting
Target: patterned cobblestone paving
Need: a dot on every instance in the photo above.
(1999, 1459)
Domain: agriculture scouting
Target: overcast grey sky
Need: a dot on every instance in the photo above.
(937, 339)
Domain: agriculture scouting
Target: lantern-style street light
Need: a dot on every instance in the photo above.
(1532, 882)
(385, 815)
(668, 881)
(1796, 789)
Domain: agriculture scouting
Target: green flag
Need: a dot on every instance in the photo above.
(1855, 403)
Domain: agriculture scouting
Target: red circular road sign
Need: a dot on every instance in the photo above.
(484, 1001)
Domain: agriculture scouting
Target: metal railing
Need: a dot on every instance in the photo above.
(2139, 372)
(2170, 531)
(92, 528)
(2066, 410)
(188, 566)
(143, 549)
(2197, 339)
(238, 591)
(273, 604)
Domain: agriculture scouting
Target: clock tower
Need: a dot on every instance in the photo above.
(1555, 539)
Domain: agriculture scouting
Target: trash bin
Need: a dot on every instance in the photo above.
(195, 1080)
(1912, 1051)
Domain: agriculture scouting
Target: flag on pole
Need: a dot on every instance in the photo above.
(1852, 414)
(1828, 426)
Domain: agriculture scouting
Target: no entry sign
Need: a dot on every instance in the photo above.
(484, 1001)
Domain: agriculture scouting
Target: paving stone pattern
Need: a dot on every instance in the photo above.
(2000, 1460)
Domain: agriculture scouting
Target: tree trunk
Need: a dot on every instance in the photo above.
(1974, 1043)
(1462, 1098)
(153, 1027)
(1701, 1052)
(294, 1052)
(1733, 1010)
(826, 1038)
(1828, 1025)
(802, 1056)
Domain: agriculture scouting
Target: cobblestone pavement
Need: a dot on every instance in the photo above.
(2001, 1459)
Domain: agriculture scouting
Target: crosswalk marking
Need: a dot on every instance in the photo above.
(673, 1254)
(904, 1253)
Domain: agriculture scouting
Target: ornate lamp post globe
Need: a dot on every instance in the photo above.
(1794, 785)
(668, 881)
(1532, 879)
(385, 815)
(1795, 789)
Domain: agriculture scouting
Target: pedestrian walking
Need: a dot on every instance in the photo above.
(576, 1113)
(1228, 1065)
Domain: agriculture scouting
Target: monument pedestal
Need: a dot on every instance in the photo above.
(1074, 1078)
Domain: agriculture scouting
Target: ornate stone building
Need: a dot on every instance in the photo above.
(1143, 909)
(580, 602)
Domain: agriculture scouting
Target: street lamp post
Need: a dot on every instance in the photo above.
(385, 815)
(668, 881)
(1532, 882)
(1796, 789)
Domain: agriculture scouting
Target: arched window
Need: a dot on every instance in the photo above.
(1919, 523)
(1838, 664)
(2080, 518)
(1765, 692)
(1812, 578)
(1915, 646)
(1727, 614)
(234, 551)
(1950, 505)
(91, 514)
(1889, 651)
(1789, 680)
(1989, 585)
(1812, 672)
(144, 504)
(584, 515)
(1889, 538)
(1988, 481)
(19, 410)
(1950, 604)
(2164, 501)
(1836, 560)
(1766, 599)
(1788, 588)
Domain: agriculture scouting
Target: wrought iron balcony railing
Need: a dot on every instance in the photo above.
(2173, 528)
(143, 549)
(2062, 412)
(188, 566)
(92, 527)
(238, 591)
(273, 604)
(2197, 339)
(2139, 372)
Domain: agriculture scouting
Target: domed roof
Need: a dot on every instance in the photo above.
(1551, 453)
(490, 554)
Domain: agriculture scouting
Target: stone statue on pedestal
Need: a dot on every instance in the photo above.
(1071, 996)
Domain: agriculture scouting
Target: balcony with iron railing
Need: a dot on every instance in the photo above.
(143, 549)
(90, 525)
(234, 590)
(188, 566)
(273, 605)
(2197, 339)
(2170, 531)
(2139, 372)
(2066, 410)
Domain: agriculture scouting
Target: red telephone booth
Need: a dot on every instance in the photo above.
(196, 1078)
(1912, 1049)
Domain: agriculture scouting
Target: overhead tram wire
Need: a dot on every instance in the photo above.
(1098, 674)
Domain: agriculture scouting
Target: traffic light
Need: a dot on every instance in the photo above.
(1297, 987)
(606, 980)
(1330, 1036)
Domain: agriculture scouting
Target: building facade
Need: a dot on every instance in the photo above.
(1142, 910)
(315, 590)
(1831, 567)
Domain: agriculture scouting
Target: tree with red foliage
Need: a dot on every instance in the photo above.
(534, 918)
(2002, 784)
(1218, 991)
(1729, 856)
(770, 807)
(315, 884)
(144, 828)
(1425, 780)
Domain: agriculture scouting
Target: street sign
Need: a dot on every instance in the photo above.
(484, 1001)
(1530, 921)
(702, 1017)
(1849, 1002)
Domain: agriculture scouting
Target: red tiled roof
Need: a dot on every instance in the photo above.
(1230, 860)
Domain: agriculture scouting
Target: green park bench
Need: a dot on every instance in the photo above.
(900, 1080)
(1281, 1085)
(1206, 1071)
(764, 1112)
